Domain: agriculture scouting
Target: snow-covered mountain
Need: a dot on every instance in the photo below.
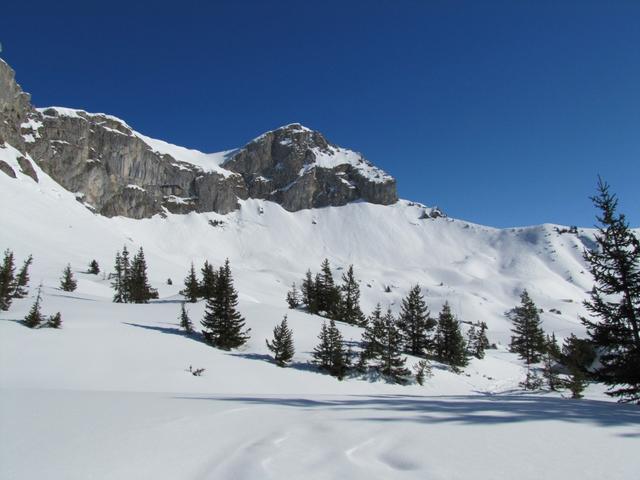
(112, 388)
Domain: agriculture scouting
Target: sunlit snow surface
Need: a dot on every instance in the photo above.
(110, 397)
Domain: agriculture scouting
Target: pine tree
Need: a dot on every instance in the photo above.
(54, 321)
(372, 337)
(22, 280)
(615, 299)
(139, 290)
(329, 354)
(528, 340)
(415, 324)
(34, 317)
(282, 344)
(390, 362)
(350, 311)
(7, 280)
(223, 324)
(185, 321)
(577, 354)
(293, 297)
(126, 275)
(209, 278)
(68, 283)
(550, 357)
(94, 268)
(450, 345)
(309, 294)
(477, 341)
(422, 370)
(328, 294)
(191, 286)
(118, 283)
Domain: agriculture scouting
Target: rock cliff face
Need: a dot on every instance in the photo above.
(117, 171)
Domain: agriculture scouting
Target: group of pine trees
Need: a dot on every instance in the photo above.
(534, 347)
(223, 325)
(320, 295)
(13, 286)
(130, 280)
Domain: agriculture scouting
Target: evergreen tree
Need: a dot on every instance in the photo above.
(223, 324)
(119, 282)
(532, 381)
(577, 355)
(139, 290)
(191, 286)
(329, 354)
(328, 294)
(309, 293)
(350, 311)
(54, 321)
(34, 317)
(68, 283)
(450, 345)
(615, 299)
(477, 340)
(126, 275)
(7, 280)
(550, 357)
(282, 344)
(185, 321)
(209, 278)
(422, 370)
(22, 280)
(94, 268)
(372, 337)
(391, 364)
(415, 324)
(293, 297)
(528, 340)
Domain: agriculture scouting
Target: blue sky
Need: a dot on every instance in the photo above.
(500, 112)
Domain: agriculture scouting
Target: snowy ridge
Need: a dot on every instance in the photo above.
(336, 156)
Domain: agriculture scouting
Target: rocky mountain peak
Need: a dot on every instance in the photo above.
(117, 171)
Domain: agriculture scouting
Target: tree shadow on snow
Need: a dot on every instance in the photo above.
(170, 331)
(303, 366)
(471, 409)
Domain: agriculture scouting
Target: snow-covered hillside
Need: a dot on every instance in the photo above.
(110, 395)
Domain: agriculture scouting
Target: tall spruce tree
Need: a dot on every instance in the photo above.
(350, 311)
(528, 340)
(415, 324)
(34, 317)
(94, 268)
(209, 278)
(615, 299)
(68, 283)
(328, 294)
(282, 344)
(138, 282)
(477, 340)
(7, 280)
(22, 279)
(185, 321)
(118, 282)
(330, 354)
(309, 293)
(372, 337)
(391, 363)
(293, 297)
(191, 286)
(223, 324)
(126, 274)
(450, 345)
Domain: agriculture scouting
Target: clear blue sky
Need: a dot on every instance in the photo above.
(500, 112)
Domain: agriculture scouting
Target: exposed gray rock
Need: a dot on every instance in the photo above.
(282, 166)
(27, 168)
(113, 170)
(6, 168)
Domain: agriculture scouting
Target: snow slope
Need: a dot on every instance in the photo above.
(110, 395)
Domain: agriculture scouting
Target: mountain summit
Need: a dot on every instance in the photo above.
(117, 171)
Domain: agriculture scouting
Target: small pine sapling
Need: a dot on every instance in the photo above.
(282, 344)
(68, 283)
